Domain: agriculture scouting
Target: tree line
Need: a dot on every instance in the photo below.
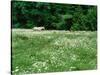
(53, 16)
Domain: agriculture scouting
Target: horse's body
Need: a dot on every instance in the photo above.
(38, 28)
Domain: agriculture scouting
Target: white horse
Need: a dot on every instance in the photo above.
(39, 28)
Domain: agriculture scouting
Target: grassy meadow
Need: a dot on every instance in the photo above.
(53, 51)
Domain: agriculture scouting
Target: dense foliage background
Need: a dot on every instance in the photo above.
(54, 16)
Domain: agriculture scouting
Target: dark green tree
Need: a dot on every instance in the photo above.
(53, 16)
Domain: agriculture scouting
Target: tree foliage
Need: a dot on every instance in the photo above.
(53, 16)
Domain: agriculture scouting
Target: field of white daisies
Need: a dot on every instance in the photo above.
(53, 51)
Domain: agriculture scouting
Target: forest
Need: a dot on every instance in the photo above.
(53, 16)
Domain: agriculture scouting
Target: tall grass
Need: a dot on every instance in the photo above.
(53, 51)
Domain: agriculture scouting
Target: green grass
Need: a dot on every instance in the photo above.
(53, 51)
